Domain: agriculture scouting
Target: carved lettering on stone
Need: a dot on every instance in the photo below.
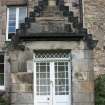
(81, 75)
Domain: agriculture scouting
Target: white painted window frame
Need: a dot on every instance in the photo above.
(17, 20)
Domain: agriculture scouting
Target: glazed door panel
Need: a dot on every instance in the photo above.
(52, 81)
(43, 83)
(62, 87)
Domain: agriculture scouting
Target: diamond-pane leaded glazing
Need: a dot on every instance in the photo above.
(61, 78)
(52, 54)
(43, 78)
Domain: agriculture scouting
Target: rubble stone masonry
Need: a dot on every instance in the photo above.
(94, 20)
(83, 79)
(2, 25)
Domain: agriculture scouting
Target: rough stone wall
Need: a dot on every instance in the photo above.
(21, 79)
(3, 21)
(3, 16)
(94, 20)
(82, 72)
(82, 69)
(31, 3)
(13, 2)
(21, 88)
(83, 77)
(2, 24)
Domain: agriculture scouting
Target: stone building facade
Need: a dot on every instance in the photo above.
(49, 59)
(94, 19)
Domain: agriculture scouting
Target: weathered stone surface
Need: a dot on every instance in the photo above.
(83, 77)
(21, 87)
(21, 81)
(22, 98)
(13, 2)
(22, 104)
(2, 25)
(54, 45)
(84, 103)
(82, 71)
(94, 18)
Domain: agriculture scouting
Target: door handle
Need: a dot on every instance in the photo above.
(48, 98)
(51, 82)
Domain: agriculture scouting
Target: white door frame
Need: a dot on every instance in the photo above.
(51, 64)
(52, 88)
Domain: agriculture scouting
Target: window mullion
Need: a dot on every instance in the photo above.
(17, 18)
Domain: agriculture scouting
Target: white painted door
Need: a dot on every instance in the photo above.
(62, 83)
(52, 83)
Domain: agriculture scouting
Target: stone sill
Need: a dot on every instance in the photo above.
(2, 88)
